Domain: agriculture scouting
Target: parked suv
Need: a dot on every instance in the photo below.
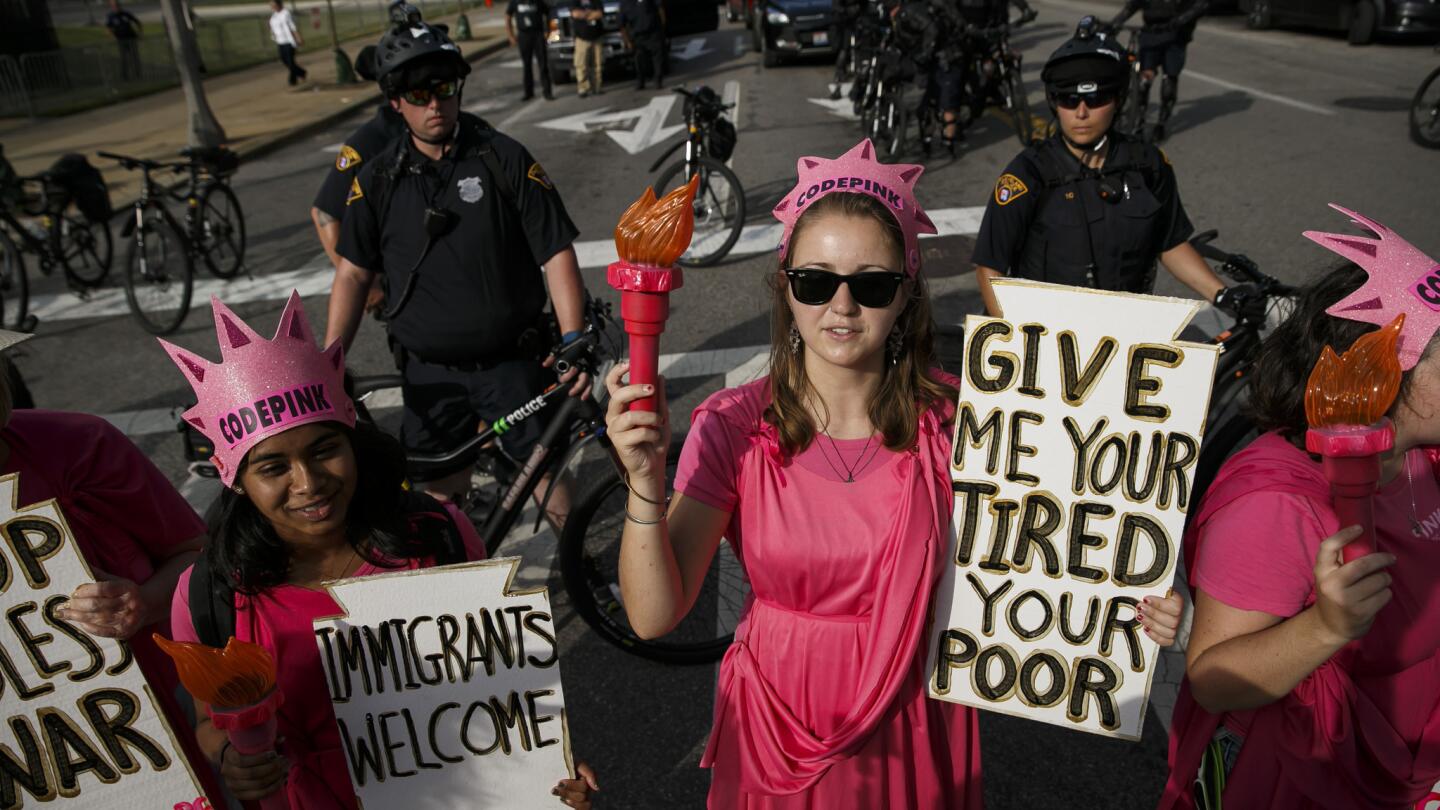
(781, 28)
(683, 18)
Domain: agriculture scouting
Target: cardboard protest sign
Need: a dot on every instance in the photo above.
(1076, 439)
(80, 724)
(446, 688)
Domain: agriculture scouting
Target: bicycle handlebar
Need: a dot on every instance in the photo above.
(686, 93)
(1238, 266)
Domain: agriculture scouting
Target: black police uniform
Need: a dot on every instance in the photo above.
(641, 21)
(1047, 219)
(466, 340)
(1169, 27)
(529, 18)
(364, 143)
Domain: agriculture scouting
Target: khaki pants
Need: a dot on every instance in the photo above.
(589, 62)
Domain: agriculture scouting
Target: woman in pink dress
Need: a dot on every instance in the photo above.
(311, 496)
(829, 479)
(1310, 682)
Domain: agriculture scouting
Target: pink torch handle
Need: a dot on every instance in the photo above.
(1353, 480)
(644, 306)
(1350, 458)
(252, 730)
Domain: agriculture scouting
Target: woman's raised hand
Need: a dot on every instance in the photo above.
(641, 438)
(1348, 595)
(253, 776)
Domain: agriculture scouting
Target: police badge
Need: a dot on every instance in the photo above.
(470, 189)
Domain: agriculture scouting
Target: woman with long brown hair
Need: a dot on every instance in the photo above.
(830, 480)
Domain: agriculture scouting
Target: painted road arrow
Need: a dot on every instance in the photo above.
(691, 49)
(842, 107)
(635, 130)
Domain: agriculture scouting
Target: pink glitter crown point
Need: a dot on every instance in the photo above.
(262, 387)
(1401, 279)
(858, 171)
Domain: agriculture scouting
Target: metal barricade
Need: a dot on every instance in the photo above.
(14, 97)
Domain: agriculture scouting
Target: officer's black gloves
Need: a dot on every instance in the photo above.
(1244, 301)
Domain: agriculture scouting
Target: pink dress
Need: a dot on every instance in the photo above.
(1363, 730)
(821, 699)
(280, 620)
(126, 517)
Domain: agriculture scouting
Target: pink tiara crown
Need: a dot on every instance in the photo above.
(1402, 279)
(857, 171)
(262, 387)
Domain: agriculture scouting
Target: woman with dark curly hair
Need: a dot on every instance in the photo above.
(310, 497)
(1311, 682)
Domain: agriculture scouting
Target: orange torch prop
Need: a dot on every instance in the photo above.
(650, 238)
(238, 683)
(1345, 403)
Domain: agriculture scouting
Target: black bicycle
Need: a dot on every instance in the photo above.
(1425, 111)
(589, 548)
(1228, 427)
(709, 142)
(995, 79)
(160, 267)
(58, 234)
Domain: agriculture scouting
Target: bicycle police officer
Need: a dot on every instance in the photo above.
(1088, 206)
(1169, 27)
(328, 209)
(981, 17)
(460, 220)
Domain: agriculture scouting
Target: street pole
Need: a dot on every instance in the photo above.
(344, 73)
(205, 130)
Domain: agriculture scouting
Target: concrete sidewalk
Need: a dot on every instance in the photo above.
(256, 108)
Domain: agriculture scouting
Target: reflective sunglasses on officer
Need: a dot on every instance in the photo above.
(872, 290)
(1091, 94)
(421, 96)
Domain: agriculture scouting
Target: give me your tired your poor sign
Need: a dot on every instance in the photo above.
(1076, 437)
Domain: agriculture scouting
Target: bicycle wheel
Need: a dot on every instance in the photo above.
(719, 209)
(1132, 116)
(86, 250)
(1425, 112)
(1019, 104)
(159, 275)
(589, 563)
(14, 286)
(222, 231)
(899, 122)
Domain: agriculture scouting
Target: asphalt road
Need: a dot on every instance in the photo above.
(1270, 127)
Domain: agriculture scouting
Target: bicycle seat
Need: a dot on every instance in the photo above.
(218, 158)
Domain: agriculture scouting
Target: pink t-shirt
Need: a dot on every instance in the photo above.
(1259, 551)
(280, 620)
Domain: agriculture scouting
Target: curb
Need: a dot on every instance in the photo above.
(263, 146)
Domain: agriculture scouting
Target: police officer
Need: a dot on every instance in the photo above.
(642, 27)
(328, 209)
(1169, 27)
(1088, 206)
(460, 219)
(525, 23)
(981, 19)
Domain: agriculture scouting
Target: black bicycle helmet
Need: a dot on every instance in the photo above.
(412, 42)
(1089, 57)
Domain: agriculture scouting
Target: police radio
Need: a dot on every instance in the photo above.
(437, 221)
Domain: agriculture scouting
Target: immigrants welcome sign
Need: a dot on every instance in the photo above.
(1076, 438)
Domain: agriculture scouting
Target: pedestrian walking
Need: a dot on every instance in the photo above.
(642, 24)
(525, 23)
(587, 23)
(126, 28)
(287, 39)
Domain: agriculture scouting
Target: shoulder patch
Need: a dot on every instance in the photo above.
(1009, 188)
(355, 192)
(537, 173)
(347, 159)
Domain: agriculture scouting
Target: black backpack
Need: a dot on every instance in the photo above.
(73, 179)
(212, 601)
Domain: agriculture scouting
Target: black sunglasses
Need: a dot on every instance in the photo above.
(816, 287)
(420, 96)
(1093, 100)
